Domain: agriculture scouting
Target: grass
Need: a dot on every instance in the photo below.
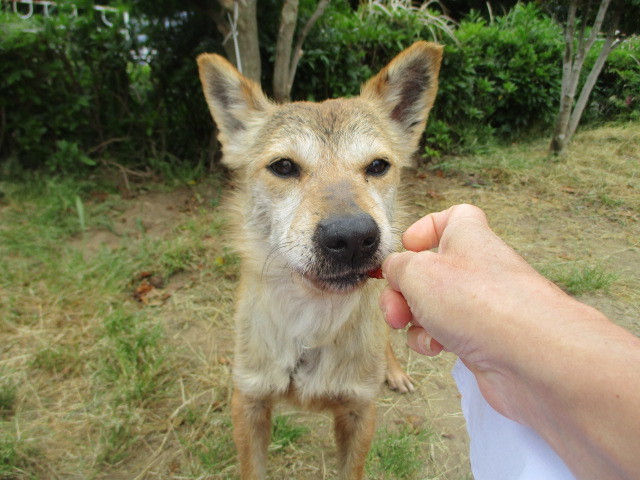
(580, 280)
(8, 456)
(72, 330)
(7, 396)
(115, 313)
(397, 453)
(133, 357)
(215, 454)
(285, 433)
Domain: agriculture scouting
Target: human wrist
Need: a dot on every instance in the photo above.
(549, 355)
(531, 333)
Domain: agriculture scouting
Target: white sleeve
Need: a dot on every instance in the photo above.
(502, 449)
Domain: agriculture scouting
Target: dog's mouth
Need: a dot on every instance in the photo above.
(340, 283)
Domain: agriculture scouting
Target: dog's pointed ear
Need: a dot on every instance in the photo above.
(407, 88)
(236, 103)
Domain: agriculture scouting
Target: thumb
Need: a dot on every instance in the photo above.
(411, 274)
(394, 268)
(405, 270)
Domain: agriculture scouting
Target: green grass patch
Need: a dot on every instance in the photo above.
(57, 360)
(580, 280)
(397, 454)
(285, 433)
(8, 392)
(133, 357)
(9, 458)
(45, 210)
(496, 164)
(117, 436)
(215, 451)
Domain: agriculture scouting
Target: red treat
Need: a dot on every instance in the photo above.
(377, 273)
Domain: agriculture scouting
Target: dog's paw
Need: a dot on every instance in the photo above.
(399, 381)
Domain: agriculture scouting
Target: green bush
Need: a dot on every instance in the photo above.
(87, 91)
(617, 92)
(498, 79)
(64, 89)
(348, 46)
(178, 124)
(502, 79)
(90, 91)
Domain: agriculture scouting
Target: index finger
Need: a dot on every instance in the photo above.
(426, 233)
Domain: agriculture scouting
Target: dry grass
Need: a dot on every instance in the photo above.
(116, 339)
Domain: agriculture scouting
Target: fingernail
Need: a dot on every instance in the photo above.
(424, 340)
(384, 310)
(386, 263)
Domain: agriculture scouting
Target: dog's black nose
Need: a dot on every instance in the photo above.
(348, 239)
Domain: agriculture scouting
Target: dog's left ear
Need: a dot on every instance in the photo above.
(407, 88)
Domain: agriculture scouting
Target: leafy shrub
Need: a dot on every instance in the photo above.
(87, 90)
(502, 79)
(498, 79)
(178, 125)
(617, 92)
(349, 46)
(69, 97)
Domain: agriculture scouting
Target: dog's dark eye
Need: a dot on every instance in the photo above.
(378, 167)
(284, 168)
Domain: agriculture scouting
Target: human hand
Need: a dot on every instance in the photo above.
(539, 356)
(464, 297)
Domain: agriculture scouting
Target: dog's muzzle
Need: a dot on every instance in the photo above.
(346, 248)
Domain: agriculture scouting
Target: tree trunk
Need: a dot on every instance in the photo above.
(248, 39)
(288, 20)
(587, 88)
(566, 99)
(237, 23)
(286, 61)
(297, 51)
(569, 115)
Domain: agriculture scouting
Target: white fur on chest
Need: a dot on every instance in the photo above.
(288, 335)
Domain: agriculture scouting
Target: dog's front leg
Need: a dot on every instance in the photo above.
(251, 433)
(354, 425)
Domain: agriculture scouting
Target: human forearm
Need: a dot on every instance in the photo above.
(582, 394)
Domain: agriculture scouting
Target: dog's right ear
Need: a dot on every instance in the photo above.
(237, 104)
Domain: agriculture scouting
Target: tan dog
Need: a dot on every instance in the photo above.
(314, 210)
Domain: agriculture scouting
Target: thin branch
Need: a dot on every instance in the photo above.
(610, 43)
(288, 20)
(101, 145)
(583, 27)
(297, 51)
(567, 61)
(125, 170)
(585, 47)
(597, 24)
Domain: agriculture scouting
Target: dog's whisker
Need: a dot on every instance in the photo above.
(271, 256)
